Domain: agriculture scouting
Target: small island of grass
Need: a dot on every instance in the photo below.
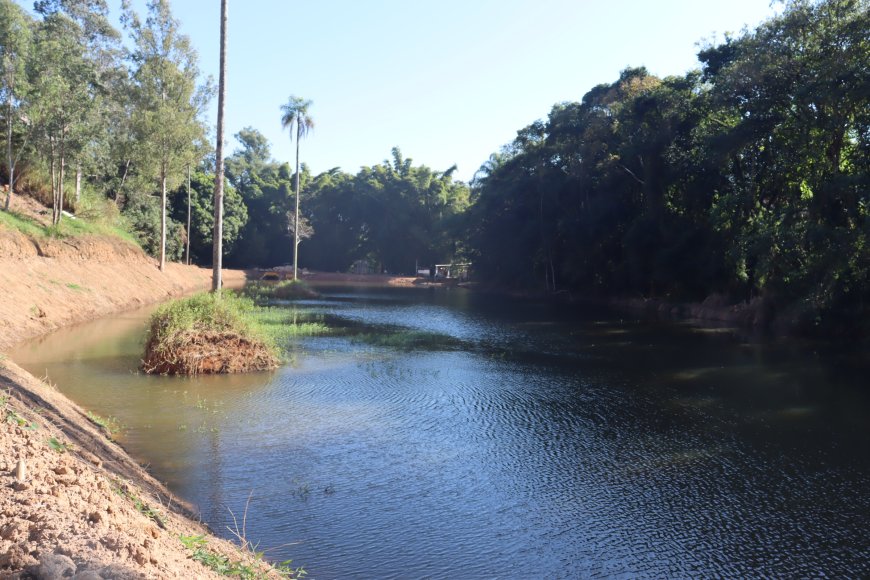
(208, 334)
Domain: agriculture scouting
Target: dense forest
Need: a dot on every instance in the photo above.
(748, 178)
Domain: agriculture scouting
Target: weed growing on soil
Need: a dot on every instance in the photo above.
(110, 425)
(10, 416)
(222, 565)
(143, 508)
(58, 446)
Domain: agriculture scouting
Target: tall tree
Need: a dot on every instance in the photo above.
(217, 238)
(295, 115)
(168, 103)
(15, 43)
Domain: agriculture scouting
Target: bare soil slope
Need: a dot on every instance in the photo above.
(72, 502)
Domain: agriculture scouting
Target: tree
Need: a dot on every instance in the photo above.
(235, 214)
(15, 45)
(167, 101)
(295, 114)
(217, 237)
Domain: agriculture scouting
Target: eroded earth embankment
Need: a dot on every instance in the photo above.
(72, 502)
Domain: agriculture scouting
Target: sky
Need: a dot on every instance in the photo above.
(447, 81)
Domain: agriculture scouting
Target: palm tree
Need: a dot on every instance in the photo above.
(217, 235)
(295, 112)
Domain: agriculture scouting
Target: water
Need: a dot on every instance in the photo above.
(513, 440)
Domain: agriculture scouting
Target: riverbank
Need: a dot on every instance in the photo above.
(72, 500)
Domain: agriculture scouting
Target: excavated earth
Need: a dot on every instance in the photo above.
(74, 504)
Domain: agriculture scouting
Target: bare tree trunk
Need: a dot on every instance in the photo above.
(78, 184)
(187, 248)
(296, 216)
(53, 178)
(218, 233)
(60, 192)
(163, 216)
(9, 158)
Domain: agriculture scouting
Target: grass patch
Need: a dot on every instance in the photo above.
(58, 446)
(264, 292)
(143, 508)
(281, 325)
(406, 339)
(231, 333)
(209, 333)
(27, 226)
(68, 228)
(10, 416)
(224, 566)
(110, 425)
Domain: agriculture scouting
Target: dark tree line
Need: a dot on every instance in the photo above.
(749, 178)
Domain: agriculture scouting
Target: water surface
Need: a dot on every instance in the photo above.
(442, 434)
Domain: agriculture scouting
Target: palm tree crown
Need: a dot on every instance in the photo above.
(295, 112)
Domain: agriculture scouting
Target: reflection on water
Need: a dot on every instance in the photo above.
(512, 439)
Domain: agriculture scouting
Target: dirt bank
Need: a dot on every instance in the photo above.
(48, 283)
(72, 502)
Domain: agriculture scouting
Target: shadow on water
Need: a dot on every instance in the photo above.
(443, 433)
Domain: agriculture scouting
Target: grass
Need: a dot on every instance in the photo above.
(224, 566)
(143, 508)
(58, 446)
(407, 339)
(208, 333)
(207, 312)
(68, 228)
(110, 425)
(281, 325)
(264, 292)
(10, 416)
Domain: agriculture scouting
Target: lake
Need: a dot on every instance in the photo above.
(448, 434)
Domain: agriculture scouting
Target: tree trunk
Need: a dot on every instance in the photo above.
(53, 178)
(217, 234)
(296, 216)
(187, 246)
(78, 185)
(9, 152)
(163, 216)
(60, 192)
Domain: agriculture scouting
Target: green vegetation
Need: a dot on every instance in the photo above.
(407, 339)
(10, 416)
(252, 336)
(263, 292)
(110, 425)
(749, 179)
(57, 445)
(143, 508)
(223, 566)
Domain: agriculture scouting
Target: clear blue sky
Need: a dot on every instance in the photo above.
(448, 81)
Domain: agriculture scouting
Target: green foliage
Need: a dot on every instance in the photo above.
(58, 446)
(10, 416)
(202, 214)
(110, 425)
(143, 508)
(394, 214)
(263, 292)
(224, 566)
(748, 179)
(205, 312)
